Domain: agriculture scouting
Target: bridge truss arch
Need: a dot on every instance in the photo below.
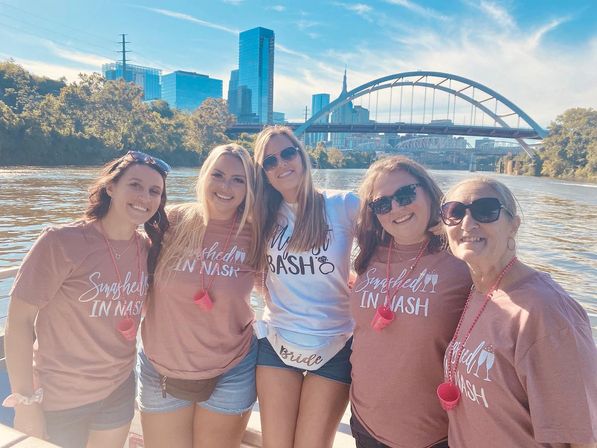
(482, 101)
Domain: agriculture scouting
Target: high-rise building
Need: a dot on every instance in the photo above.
(342, 114)
(256, 72)
(318, 102)
(279, 118)
(187, 90)
(233, 106)
(145, 77)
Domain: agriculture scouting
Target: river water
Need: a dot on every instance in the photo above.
(557, 234)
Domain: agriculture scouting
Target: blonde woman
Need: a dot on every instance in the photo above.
(197, 366)
(303, 372)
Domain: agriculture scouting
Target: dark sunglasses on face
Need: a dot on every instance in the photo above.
(405, 195)
(483, 210)
(141, 157)
(287, 154)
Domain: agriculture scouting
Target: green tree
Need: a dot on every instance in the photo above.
(207, 125)
(335, 157)
(570, 149)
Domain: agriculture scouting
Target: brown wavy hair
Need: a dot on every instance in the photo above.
(99, 204)
(370, 233)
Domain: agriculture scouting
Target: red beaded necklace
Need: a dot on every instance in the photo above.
(384, 314)
(202, 298)
(447, 392)
(126, 326)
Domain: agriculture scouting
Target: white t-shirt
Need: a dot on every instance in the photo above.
(307, 292)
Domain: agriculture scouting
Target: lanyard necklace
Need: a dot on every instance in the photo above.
(448, 392)
(202, 298)
(384, 314)
(126, 327)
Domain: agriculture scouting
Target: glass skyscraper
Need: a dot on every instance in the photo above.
(318, 102)
(187, 90)
(256, 73)
(145, 77)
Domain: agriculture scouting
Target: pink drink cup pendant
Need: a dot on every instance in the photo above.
(449, 395)
(203, 301)
(127, 328)
(383, 317)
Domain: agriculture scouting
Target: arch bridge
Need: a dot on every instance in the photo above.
(422, 102)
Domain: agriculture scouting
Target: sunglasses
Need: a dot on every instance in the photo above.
(158, 164)
(405, 195)
(483, 210)
(287, 154)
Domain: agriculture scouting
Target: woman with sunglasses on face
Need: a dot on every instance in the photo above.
(80, 289)
(406, 303)
(303, 369)
(197, 367)
(520, 370)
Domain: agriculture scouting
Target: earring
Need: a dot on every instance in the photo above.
(511, 242)
(157, 221)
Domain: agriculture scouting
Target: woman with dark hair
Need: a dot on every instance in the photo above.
(406, 303)
(521, 367)
(80, 291)
(303, 368)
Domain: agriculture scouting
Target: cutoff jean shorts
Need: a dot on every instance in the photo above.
(234, 394)
(337, 369)
(70, 428)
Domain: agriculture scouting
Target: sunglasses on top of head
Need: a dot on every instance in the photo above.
(287, 154)
(140, 157)
(405, 195)
(483, 210)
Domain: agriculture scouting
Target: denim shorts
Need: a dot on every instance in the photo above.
(70, 427)
(338, 368)
(234, 394)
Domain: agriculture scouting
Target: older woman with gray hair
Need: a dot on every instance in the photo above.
(520, 370)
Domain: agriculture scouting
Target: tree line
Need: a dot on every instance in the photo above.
(92, 120)
(52, 122)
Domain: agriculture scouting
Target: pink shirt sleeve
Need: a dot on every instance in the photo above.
(43, 270)
(558, 372)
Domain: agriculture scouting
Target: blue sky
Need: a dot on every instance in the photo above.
(542, 55)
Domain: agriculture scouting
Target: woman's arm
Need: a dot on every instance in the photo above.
(18, 346)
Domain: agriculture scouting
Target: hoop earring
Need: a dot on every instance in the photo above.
(157, 221)
(511, 242)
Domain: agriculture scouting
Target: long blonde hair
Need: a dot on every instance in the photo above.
(190, 220)
(311, 226)
(370, 233)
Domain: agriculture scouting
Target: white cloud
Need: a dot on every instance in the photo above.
(535, 39)
(88, 59)
(54, 71)
(499, 14)
(189, 18)
(418, 9)
(278, 8)
(361, 9)
(233, 2)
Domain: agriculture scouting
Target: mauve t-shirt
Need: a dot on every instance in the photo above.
(79, 355)
(395, 371)
(180, 339)
(528, 372)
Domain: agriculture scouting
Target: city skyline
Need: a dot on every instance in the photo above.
(541, 55)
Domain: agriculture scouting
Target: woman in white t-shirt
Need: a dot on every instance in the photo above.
(303, 368)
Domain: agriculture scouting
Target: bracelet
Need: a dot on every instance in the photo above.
(14, 399)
